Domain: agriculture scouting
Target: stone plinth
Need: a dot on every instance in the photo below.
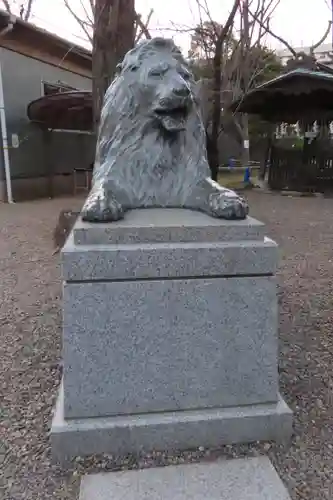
(170, 335)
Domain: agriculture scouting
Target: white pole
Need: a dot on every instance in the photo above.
(5, 142)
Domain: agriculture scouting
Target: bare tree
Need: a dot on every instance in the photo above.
(299, 58)
(114, 32)
(237, 60)
(7, 6)
(214, 48)
(85, 20)
(25, 8)
(331, 6)
(250, 61)
(238, 64)
(113, 27)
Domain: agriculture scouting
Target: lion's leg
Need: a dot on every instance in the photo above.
(101, 205)
(209, 197)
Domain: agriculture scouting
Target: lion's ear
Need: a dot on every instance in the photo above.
(119, 67)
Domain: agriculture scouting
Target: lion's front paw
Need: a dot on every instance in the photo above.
(225, 205)
(101, 207)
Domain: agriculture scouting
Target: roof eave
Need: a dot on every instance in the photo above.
(74, 48)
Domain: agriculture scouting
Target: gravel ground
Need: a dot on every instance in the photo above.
(30, 337)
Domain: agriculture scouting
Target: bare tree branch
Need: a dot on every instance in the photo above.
(323, 38)
(83, 24)
(27, 11)
(207, 12)
(223, 34)
(264, 12)
(266, 26)
(205, 45)
(143, 26)
(7, 6)
(87, 24)
(237, 66)
(92, 6)
(136, 29)
(89, 15)
(228, 25)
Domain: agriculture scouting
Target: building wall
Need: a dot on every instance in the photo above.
(22, 77)
(323, 54)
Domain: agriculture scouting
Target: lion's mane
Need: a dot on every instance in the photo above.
(132, 154)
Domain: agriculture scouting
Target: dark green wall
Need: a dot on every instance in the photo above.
(22, 78)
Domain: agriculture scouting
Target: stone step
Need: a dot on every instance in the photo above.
(241, 479)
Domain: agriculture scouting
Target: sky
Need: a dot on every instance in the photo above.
(300, 22)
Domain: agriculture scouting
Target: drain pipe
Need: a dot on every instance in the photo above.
(12, 20)
(5, 143)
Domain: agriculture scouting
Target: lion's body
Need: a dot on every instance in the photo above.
(151, 148)
(157, 173)
(136, 155)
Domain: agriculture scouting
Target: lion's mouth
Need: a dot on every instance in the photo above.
(172, 119)
(178, 112)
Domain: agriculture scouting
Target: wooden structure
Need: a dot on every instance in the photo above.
(66, 110)
(35, 63)
(299, 95)
(289, 170)
(86, 173)
(69, 112)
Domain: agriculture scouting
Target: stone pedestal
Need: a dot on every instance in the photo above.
(170, 336)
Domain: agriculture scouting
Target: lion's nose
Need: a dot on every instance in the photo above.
(181, 90)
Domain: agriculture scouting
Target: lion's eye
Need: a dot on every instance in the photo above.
(156, 72)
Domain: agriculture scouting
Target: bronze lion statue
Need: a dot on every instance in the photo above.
(151, 149)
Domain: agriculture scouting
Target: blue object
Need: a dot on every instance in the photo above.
(247, 175)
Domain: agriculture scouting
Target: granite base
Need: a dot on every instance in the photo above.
(170, 336)
(168, 431)
(135, 347)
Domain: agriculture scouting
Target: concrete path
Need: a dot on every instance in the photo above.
(241, 479)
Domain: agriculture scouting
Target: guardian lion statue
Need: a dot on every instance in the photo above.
(151, 149)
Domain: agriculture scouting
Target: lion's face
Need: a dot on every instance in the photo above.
(163, 89)
(169, 83)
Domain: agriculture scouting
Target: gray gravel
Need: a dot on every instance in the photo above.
(30, 337)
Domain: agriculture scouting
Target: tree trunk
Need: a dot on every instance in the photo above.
(212, 143)
(267, 156)
(213, 138)
(332, 19)
(113, 37)
(246, 141)
(212, 156)
(246, 71)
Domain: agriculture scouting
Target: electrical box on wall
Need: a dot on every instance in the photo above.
(15, 141)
